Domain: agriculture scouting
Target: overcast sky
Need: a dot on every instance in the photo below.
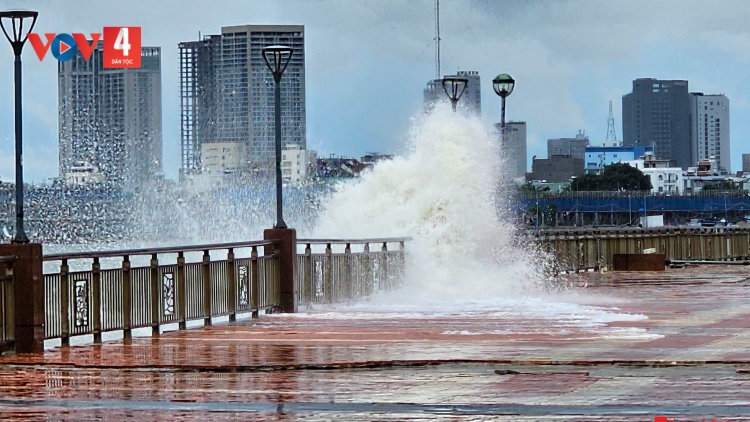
(368, 62)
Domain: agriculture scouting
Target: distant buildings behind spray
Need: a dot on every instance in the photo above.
(227, 97)
(471, 100)
(513, 148)
(681, 126)
(110, 120)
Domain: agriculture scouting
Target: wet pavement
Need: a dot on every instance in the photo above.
(627, 346)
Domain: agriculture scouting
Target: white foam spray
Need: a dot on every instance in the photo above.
(446, 192)
(442, 192)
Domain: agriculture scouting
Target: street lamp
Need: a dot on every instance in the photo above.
(277, 58)
(17, 39)
(503, 85)
(454, 88)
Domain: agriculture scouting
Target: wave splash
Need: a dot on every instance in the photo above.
(445, 193)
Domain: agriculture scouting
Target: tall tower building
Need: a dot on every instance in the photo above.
(657, 113)
(513, 148)
(199, 93)
(110, 119)
(227, 93)
(709, 120)
(471, 98)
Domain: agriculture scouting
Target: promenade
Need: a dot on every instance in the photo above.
(689, 359)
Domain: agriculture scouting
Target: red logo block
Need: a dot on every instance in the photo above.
(122, 47)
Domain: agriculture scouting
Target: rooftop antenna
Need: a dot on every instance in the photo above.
(611, 136)
(437, 39)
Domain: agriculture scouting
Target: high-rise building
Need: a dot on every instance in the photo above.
(746, 163)
(513, 147)
(709, 128)
(199, 93)
(227, 93)
(471, 99)
(568, 147)
(657, 113)
(110, 119)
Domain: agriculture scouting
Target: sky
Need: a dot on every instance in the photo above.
(368, 61)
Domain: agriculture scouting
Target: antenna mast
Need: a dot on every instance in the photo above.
(611, 136)
(437, 39)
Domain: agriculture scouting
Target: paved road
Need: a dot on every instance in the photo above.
(626, 347)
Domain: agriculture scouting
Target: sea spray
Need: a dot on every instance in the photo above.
(443, 193)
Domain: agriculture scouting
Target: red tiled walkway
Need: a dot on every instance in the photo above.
(587, 362)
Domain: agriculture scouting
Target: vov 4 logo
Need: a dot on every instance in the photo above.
(122, 46)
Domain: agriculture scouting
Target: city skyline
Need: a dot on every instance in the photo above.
(227, 93)
(564, 76)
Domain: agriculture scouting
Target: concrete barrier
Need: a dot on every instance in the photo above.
(638, 262)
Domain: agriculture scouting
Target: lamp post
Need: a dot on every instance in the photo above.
(454, 88)
(17, 38)
(503, 85)
(277, 58)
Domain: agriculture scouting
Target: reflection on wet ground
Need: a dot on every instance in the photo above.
(601, 361)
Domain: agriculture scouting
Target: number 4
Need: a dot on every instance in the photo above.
(121, 43)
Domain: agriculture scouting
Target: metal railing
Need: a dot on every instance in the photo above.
(579, 250)
(7, 325)
(337, 270)
(157, 286)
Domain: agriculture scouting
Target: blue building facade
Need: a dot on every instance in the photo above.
(597, 157)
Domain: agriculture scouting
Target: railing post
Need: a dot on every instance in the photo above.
(384, 265)
(127, 333)
(308, 290)
(7, 325)
(64, 303)
(28, 296)
(207, 287)
(155, 296)
(367, 264)
(231, 286)
(254, 284)
(96, 300)
(328, 275)
(287, 275)
(348, 283)
(180, 292)
(401, 261)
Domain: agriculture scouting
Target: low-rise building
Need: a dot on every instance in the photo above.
(556, 169)
(339, 167)
(297, 164)
(597, 157)
(223, 157)
(83, 173)
(664, 179)
(569, 147)
(372, 158)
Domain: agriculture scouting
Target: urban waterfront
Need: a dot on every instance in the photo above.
(189, 236)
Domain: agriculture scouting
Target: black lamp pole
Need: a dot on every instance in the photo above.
(454, 88)
(503, 85)
(277, 58)
(17, 39)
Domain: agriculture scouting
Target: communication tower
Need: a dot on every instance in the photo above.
(611, 136)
